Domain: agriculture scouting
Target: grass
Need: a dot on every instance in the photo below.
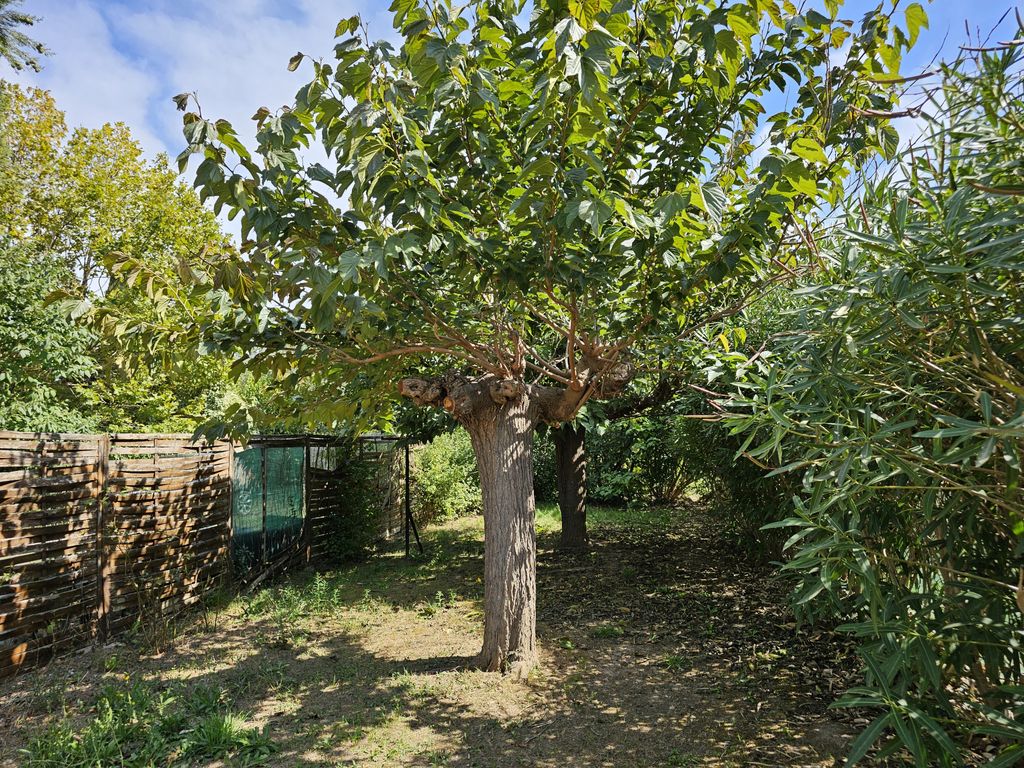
(606, 516)
(659, 646)
(137, 726)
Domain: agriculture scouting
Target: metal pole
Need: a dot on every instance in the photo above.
(410, 521)
(263, 483)
(408, 507)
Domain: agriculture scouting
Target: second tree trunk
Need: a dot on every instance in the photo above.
(571, 469)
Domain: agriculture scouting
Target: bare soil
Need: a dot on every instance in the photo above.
(662, 646)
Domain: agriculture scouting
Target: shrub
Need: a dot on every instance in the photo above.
(445, 480)
(897, 406)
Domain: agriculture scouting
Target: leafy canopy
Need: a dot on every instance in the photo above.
(70, 201)
(547, 195)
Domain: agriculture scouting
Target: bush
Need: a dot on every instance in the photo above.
(445, 480)
(660, 457)
(897, 407)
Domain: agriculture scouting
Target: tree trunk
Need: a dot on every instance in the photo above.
(503, 444)
(571, 470)
(500, 415)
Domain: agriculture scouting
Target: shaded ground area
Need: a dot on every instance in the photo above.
(660, 647)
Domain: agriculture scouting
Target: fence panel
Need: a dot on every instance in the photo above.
(325, 484)
(49, 489)
(247, 510)
(102, 531)
(285, 486)
(167, 527)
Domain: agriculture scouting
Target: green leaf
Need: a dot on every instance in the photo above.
(809, 149)
(347, 26)
(800, 178)
(866, 739)
(916, 19)
(595, 213)
(667, 206)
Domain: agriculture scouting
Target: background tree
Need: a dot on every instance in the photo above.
(535, 210)
(16, 48)
(68, 202)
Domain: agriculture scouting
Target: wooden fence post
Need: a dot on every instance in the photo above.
(104, 548)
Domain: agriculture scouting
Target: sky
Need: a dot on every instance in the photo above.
(123, 60)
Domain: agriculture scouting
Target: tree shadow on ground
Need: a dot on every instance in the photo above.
(660, 647)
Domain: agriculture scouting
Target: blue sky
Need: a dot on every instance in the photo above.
(124, 59)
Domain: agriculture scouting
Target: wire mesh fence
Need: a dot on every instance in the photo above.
(289, 494)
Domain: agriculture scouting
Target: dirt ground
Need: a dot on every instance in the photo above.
(662, 646)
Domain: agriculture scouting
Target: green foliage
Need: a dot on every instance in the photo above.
(44, 354)
(445, 480)
(68, 205)
(139, 727)
(667, 454)
(545, 473)
(357, 528)
(510, 194)
(896, 404)
(16, 48)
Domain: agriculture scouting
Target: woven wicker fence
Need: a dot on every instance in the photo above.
(101, 532)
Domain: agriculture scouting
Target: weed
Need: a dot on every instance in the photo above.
(609, 631)
(137, 726)
(213, 605)
(438, 604)
(674, 663)
(50, 697)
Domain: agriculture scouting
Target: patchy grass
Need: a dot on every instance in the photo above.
(659, 646)
(136, 725)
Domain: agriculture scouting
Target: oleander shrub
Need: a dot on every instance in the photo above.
(896, 407)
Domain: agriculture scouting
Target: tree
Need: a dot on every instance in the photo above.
(32, 131)
(571, 453)
(527, 213)
(68, 202)
(44, 353)
(16, 48)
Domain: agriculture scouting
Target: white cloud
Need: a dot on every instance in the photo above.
(91, 80)
(123, 61)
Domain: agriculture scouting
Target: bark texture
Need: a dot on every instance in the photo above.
(503, 441)
(500, 416)
(571, 471)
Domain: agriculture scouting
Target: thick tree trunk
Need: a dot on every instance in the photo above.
(571, 470)
(503, 442)
(500, 415)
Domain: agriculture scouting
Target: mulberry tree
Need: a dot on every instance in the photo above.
(516, 209)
